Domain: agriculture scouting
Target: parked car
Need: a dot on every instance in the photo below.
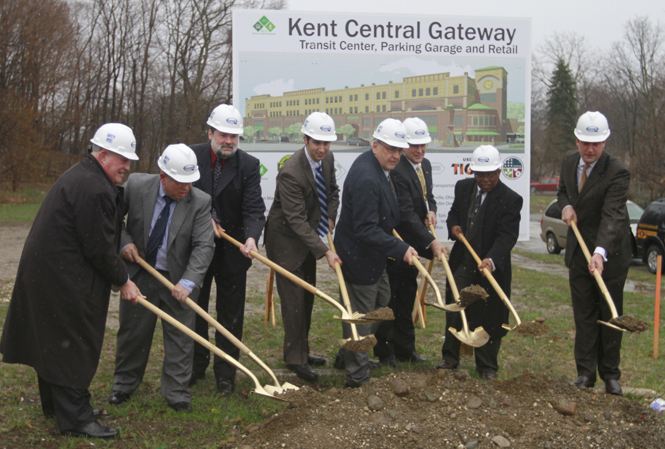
(553, 231)
(357, 141)
(545, 185)
(651, 233)
(284, 139)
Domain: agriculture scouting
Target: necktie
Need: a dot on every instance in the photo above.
(157, 233)
(216, 173)
(583, 178)
(392, 186)
(324, 226)
(421, 178)
(476, 207)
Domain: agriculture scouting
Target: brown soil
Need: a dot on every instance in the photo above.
(471, 294)
(630, 323)
(533, 329)
(382, 314)
(362, 345)
(448, 409)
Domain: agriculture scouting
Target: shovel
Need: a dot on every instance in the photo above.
(419, 313)
(270, 301)
(168, 318)
(356, 318)
(631, 324)
(494, 283)
(232, 338)
(355, 343)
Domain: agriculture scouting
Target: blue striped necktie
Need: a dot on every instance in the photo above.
(323, 201)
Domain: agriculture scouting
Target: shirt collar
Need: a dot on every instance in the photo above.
(581, 163)
(312, 163)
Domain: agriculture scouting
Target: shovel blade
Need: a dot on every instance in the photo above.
(272, 390)
(477, 338)
(363, 344)
(447, 307)
(613, 326)
(263, 392)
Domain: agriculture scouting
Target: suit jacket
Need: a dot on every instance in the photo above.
(238, 198)
(498, 229)
(295, 212)
(602, 217)
(370, 212)
(412, 206)
(190, 243)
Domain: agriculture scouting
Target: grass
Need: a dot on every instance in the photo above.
(540, 202)
(21, 206)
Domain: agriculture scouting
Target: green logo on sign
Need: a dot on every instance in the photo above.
(263, 170)
(264, 23)
(281, 162)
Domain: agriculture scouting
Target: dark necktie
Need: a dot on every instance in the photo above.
(324, 226)
(476, 207)
(216, 174)
(157, 234)
(392, 186)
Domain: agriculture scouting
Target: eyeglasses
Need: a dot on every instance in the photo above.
(488, 175)
(391, 149)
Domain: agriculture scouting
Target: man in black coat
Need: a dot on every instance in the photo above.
(487, 212)
(57, 314)
(593, 190)
(233, 179)
(364, 239)
(396, 340)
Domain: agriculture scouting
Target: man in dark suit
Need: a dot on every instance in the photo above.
(593, 190)
(168, 225)
(304, 210)
(233, 179)
(57, 314)
(364, 239)
(487, 212)
(396, 340)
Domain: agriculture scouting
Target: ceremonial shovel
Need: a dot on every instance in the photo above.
(633, 324)
(277, 388)
(355, 343)
(494, 283)
(356, 318)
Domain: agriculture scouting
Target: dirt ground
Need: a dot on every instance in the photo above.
(429, 408)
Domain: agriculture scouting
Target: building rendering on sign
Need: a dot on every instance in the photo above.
(459, 110)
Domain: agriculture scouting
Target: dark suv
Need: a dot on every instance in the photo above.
(650, 234)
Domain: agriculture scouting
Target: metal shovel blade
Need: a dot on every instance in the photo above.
(272, 390)
(456, 307)
(362, 344)
(477, 338)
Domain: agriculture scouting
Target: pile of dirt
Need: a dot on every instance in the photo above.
(449, 409)
(471, 294)
(630, 323)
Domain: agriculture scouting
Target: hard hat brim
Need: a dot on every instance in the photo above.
(584, 138)
(422, 141)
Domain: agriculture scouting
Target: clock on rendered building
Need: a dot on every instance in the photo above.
(488, 84)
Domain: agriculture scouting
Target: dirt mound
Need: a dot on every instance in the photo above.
(449, 409)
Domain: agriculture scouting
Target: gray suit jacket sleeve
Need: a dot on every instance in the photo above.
(202, 238)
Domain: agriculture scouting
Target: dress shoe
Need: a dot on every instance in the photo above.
(184, 407)
(446, 364)
(339, 362)
(413, 358)
(315, 360)
(613, 386)
(118, 397)
(488, 375)
(390, 362)
(225, 386)
(92, 430)
(196, 376)
(584, 382)
(374, 365)
(348, 384)
(304, 372)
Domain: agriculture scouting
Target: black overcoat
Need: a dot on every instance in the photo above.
(57, 314)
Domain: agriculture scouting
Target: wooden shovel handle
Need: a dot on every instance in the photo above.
(449, 272)
(342, 288)
(424, 272)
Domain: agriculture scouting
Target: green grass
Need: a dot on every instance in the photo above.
(540, 202)
(21, 206)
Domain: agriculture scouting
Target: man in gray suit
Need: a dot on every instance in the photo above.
(168, 225)
(304, 210)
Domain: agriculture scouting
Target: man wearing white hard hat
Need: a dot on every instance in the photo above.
(232, 178)
(57, 314)
(364, 239)
(487, 213)
(303, 212)
(168, 226)
(593, 190)
(396, 340)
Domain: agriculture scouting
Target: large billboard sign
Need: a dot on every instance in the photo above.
(468, 78)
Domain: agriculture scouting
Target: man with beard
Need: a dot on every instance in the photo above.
(57, 314)
(233, 179)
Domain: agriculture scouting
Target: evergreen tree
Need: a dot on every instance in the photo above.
(561, 112)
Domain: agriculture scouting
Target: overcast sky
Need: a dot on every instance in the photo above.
(600, 22)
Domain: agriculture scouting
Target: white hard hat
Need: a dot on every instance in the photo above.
(319, 126)
(485, 158)
(178, 161)
(416, 131)
(117, 138)
(592, 127)
(226, 119)
(392, 132)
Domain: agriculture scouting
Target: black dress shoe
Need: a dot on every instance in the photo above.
(374, 365)
(348, 384)
(339, 362)
(390, 362)
(413, 358)
(92, 430)
(613, 387)
(196, 375)
(304, 372)
(118, 397)
(184, 407)
(447, 364)
(488, 375)
(315, 360)
(225, 386)
(584, 382)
